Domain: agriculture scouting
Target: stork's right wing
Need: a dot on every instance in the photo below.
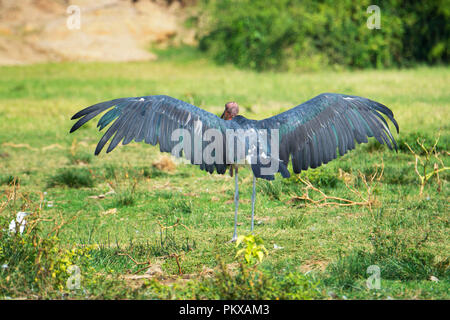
(312, 132)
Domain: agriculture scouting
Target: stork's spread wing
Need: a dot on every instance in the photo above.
(152, 119)
(311, 133)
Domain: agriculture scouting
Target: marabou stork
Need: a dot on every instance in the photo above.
(310, 134)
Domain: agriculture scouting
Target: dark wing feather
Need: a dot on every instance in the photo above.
(311, 133)
(152, 119)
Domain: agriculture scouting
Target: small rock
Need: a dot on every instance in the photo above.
(100, 196)
(110, 211)
(332, 294)
(434, 279)
(155, 270)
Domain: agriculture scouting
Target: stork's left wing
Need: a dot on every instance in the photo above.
(311, 133)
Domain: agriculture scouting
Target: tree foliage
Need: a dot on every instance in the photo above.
(262, 34)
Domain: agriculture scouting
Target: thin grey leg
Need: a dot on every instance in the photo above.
(253, 202)
(236, 203)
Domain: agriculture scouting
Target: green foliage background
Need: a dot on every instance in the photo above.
(263, 34)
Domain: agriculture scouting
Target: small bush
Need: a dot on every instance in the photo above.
(71, 177)
(398, 257)
(273, 189)
(163, 194)
(373, 146)
(428, 139)
(399, 175)
(411, 264)
(125, 199)
(6, 179)
(126, 196)
(110, 171)
(251, 284)
(263, 35)
(182, 206)
(245, 283)
(321, 177)
(293, 222)
(37, 264)
(253, 251)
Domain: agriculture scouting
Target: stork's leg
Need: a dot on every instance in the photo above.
(253, 201)
(236, 203)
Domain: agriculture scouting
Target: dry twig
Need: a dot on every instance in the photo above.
(364, 200)
(425, 176)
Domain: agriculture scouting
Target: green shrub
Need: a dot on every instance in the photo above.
(183, 206)
(321, 177)
(250, 34)
(261, 34)
(399, 175)
(6, 179)
(253, 251)
(71, 177)
(245, 283)
(273, 189)
(36, 264)
(292, 221)
(427, 139)
(412, 264)
(125, 199)
(398, 257)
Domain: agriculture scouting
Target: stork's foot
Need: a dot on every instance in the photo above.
(233, 239)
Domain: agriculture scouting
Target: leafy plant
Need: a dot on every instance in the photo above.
(263, 35)
(253, 250)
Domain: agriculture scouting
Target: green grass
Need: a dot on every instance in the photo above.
(404, 234)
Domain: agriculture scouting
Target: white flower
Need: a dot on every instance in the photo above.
(20, 220)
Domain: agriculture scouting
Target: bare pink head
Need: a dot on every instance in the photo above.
(231, 110)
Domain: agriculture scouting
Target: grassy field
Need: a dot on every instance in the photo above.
(314, 251)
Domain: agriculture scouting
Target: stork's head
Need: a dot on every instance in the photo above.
(231, 111)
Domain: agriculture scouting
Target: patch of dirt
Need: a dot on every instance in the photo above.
(310, 265)
(165, 163)
(34, 31)
(155, 272)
